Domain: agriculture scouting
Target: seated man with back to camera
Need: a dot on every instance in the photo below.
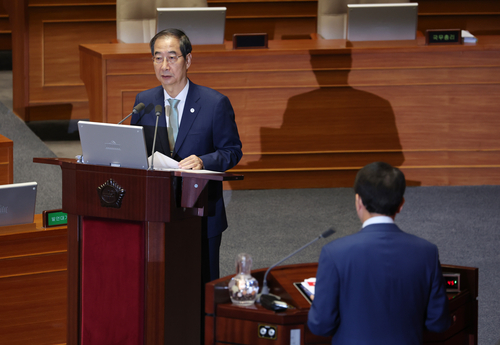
(379, 285)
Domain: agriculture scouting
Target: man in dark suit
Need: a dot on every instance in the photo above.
(197, 128)
(379, 285)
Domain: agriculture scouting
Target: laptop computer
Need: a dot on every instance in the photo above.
(17, 203)
(113, 145)
(382, 22)
(203, 25)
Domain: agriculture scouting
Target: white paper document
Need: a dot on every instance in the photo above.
(309, 285)
(467, 37)
(162, 162)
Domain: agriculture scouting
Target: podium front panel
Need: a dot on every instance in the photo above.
(112, 291)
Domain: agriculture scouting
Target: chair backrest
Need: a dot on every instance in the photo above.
(136, 19)
(332, 16)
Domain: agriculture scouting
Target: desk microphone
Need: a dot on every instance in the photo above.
(137, 109)
(265, 288)
(158, 110)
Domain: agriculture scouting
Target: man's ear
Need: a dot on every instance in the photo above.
(359, 203)
(188, 60)
(401, 205)
(360, 209)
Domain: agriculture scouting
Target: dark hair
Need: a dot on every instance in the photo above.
(381, 188)
(184, 42)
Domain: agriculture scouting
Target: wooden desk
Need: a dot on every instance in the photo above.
(6, 160)
(312, 112)
(227, 323)
(44, 36)
(33, 281)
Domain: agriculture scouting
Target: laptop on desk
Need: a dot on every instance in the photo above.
(382, 22)
(17, 203)
(203, 25)
(113, 145)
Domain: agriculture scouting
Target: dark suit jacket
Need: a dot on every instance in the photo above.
(208, 130)
(379, 286)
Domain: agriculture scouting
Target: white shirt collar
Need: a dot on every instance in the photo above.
(378, 220)
(181, 97)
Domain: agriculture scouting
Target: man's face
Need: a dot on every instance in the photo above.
(172, 76)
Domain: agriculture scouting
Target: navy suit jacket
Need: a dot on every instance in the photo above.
(208, 130)
(379, 286)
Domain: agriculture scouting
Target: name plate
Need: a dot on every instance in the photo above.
(443, 36)
(54, 218)
(249, 41)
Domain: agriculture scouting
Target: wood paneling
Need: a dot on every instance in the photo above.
(6, 160)
(479, 17)
(45, 39)
(280, 19)
(33, 281)
(276, 28)
(5, 30)
(311, 113)
(55, 32)
(33, 309)
(458, 6)
(46, 34)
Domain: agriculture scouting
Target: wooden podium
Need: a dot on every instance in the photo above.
(134, 253)
(226, 323)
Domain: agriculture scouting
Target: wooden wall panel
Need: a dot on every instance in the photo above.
(276, 28)
(33, 281)
(458, 6)
(280, 19)
(60, 52)
(46, 82)
(314, 113)
(5, 29)
(485, 24)
(33, 309)
(55, 32)
(480, 17)
(276, 8)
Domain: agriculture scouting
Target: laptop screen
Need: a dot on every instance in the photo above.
(17, 203)
(203, 25)
(382, 22)
(113, 145)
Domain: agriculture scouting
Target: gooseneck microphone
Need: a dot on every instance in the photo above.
(265, 288)
(137, 109)
(158, 110)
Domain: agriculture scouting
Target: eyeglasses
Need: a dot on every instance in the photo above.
(171, 59)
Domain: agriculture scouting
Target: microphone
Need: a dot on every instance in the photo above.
(137, 109)
(265, 288)
(146, 111)
(158, 110)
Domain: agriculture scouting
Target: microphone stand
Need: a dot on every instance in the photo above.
(126, 117)
(265, 288)
(158, 113)
(137, 109)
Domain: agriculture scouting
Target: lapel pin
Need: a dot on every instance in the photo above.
(192, 110)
